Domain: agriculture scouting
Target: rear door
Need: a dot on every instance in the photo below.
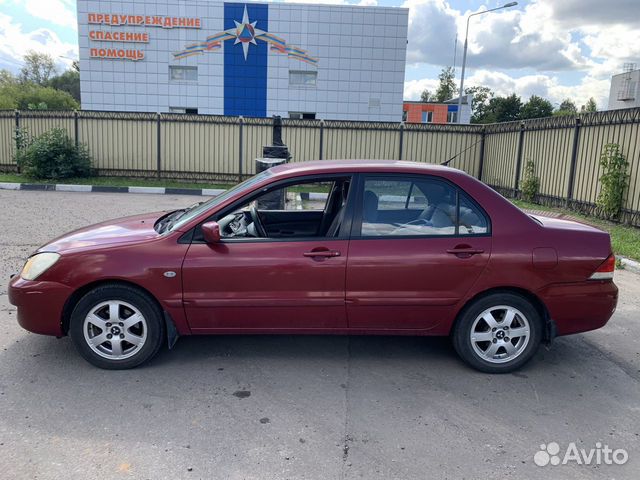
(418, 244)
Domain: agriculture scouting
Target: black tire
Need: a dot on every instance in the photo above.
(463, 344)
(151, 326)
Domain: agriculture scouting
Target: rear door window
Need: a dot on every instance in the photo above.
(397, 206)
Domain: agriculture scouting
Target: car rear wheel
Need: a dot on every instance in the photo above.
(117, 327)
(498, 333)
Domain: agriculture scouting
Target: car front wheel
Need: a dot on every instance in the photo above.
(117, 327)
(498, 333)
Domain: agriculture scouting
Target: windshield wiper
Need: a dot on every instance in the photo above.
(169, 220)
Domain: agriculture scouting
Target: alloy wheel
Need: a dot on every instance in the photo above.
(500, 334)
(115, 330)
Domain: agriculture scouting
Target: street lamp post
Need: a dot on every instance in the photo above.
(464, 55)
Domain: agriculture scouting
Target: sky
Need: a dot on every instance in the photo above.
(557, 49)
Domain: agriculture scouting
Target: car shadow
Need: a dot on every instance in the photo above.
(196, 348)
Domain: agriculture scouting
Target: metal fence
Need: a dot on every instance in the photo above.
(565, 150)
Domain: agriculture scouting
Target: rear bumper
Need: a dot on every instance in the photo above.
(580, 307)
(40, 304)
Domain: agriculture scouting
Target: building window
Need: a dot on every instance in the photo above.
(183, 74)
(303, 78)
(452, 117)
(188, 111)
(302, 115)
(427, 117)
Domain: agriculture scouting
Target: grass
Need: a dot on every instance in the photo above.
(625, 239)
(116, 182)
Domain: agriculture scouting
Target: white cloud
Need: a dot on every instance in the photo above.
(413, 88)
(432, 32)
(15, 42)
(59, 12)
(547, 86)
(504, 39)
(547, 37)
(580, 13)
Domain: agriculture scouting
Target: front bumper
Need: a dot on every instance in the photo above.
(580, 307)
(40, 304)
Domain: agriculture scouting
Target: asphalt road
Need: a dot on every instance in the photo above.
(299, 407)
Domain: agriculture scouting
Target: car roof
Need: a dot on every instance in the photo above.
(341, 166)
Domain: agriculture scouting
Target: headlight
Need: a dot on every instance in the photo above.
(38, 264)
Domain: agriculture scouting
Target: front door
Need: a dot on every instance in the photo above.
(286, 273)
(412, 256)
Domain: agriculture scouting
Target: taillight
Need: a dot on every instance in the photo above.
(605, 271)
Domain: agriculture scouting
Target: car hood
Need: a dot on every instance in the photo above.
(124, 230)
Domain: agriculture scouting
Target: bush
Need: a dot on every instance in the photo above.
(530, 182)
(613, 181)
(51, 155)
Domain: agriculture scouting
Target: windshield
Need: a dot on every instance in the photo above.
(198, 209)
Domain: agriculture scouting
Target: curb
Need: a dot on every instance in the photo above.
(630, 265)
(209, 192)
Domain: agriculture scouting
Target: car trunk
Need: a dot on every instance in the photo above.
(583, 246)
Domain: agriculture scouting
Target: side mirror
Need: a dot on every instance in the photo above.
(211, 232)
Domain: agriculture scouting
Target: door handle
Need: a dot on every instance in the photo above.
(322, 253)
(465, 251)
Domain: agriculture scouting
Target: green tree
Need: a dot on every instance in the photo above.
(509, 108)
(38, 68)
(52, 99)
(426, 96)
(481, 96)
(7, 78)
(34, 97)
(589, 107)
(502, 109)
(536, 107)
(447, 87)
(567, 107)
(7, 103)
(68, 82)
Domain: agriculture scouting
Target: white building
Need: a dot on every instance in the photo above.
(625, 89)
(251, 59)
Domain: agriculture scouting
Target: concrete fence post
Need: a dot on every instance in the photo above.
(401, 141)
(574, 160)
(483, 134)
(519, 159)
(240, 147)
(76, 128)
(321, 154)
(17, 128)
(158, 145)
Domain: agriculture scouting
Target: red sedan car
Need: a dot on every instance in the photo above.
(344, 247)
